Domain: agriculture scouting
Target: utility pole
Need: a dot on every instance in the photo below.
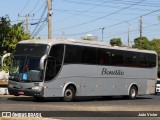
(141, 30)
(102, 32)
(49, 19)
(27, 17)
(62, 34)
(128, 33)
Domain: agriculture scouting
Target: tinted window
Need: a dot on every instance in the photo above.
(31, 49)
(50, 69)
(80, 54)
(100, 56)
(72, 54)
(137, 59)
(57, 53)
(142, 60)
(130, 59)
(88, 55)
(117, 57)
(54, 62)
(103, 56)
(151, 60)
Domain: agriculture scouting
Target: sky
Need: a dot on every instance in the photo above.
(76, 18)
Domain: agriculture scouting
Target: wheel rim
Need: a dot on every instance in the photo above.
(68, 94)
(133, 93)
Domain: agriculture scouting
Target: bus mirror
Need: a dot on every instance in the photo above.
(42, 60)
(3, 57)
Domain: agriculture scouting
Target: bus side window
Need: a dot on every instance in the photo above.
(72, 55)
(130, 59)
(88, 55)
(55, 61)
(117, 58)
(101, 60)
(102, 57)
(151, 60)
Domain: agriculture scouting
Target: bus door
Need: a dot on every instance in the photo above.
(50, 69)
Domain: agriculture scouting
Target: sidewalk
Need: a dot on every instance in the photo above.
(3, 87)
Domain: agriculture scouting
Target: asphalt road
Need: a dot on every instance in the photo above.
(96, 107)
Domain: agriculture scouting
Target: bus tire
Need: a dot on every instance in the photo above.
(107, 97)
(69, 94)
(133, 92)
(39, 99)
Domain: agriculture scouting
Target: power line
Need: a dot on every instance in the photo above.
(117, 6)
(117, 23)
(24, 20)
(135, 30)
(40, 19)
(95, 6)
(114, 2)
(150, 4)
(41, 27)
(104, 16)
(27, 17)
(78, 11)
(24, 6)
(36, 11)
(128, 2)
(40, 7)
(34, 7)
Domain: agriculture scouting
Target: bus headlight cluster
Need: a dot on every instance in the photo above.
(37, 88)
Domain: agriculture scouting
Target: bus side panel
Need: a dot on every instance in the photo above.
(55, 87)
(151, 86)
(93, 80)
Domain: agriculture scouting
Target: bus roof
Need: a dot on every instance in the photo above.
(71, 41)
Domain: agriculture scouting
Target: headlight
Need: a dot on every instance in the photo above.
(37, 88)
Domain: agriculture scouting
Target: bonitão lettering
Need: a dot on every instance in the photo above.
(112, 72)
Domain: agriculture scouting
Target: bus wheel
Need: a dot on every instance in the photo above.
(133, 92)
(69, 94)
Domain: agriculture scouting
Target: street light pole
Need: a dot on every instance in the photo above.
(102, 32)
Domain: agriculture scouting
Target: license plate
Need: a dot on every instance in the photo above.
(21, 93)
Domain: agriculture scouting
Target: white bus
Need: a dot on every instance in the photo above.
(70, 68)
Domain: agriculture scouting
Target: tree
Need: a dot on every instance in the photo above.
(155, 45)
(89, 39)
(116, 42)
(10, 35)
(144, 44)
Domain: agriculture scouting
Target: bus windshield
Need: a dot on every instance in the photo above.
(26, 69)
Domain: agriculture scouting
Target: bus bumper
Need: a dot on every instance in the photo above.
(27, 92)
